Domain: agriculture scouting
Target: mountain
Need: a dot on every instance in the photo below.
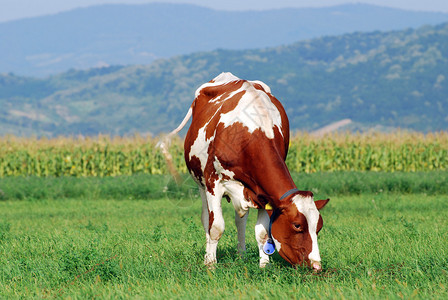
(389, 79)
(139, 34)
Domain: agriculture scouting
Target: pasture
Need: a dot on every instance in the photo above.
(384, 236)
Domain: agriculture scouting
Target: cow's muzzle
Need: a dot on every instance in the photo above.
(316, 266)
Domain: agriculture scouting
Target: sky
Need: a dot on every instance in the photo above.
(19, 9)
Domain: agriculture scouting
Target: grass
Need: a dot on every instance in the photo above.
(149, 187)
(374, 245)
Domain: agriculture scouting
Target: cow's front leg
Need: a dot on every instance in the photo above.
(261, 235)
(213, 223)
(240, 223)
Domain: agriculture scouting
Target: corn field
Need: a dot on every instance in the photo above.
(106, 156)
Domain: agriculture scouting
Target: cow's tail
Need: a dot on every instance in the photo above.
(164, 145)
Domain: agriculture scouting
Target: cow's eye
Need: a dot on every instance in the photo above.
(297, 227)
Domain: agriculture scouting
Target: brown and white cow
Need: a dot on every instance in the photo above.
(236, 148)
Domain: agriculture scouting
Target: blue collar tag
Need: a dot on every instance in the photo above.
(269, 247)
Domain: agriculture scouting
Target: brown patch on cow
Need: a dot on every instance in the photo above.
(228, 104)
(225, 177)
(259, 87)
(230, 143)
(210, 174)
(210, 182)
(250, 195)
(305, 194)
(211, 218)
(194, 166)
(209, 93)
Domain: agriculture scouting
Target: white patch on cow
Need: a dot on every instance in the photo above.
(221, 171)
(213, 204)
(222, 78)
(235, 190)
(255, 111)
(216, 99)
(278, 245)
(306, 206)
(200, 147)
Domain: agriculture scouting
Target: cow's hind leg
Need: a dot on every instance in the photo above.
(213, 223)
(240, 223)
(235, 190)
(261, 235)
(204, 219)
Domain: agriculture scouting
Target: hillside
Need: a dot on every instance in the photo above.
(392, 79)
(138, 34)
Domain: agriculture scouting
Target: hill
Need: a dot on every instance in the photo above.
(138, 34)
(392, 79)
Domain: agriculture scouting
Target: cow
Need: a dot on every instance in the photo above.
(235, 149)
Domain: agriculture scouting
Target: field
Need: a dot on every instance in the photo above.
(100, 217)
(105, 156)
(139, 236)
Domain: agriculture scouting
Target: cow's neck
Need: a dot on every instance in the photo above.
(276, 183)
(269, 176)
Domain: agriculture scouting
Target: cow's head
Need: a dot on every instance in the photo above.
(294, 230)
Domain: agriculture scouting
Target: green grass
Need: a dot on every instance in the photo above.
(373, 245)
(148, 187)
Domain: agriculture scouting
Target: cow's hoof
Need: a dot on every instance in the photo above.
(211, 267)
(209, 262)
(242, 254)
(264, 263)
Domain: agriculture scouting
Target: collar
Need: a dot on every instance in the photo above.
(289, 193)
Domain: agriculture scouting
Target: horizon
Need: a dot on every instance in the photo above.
(24, 9)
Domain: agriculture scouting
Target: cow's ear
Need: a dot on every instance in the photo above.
(321, 203)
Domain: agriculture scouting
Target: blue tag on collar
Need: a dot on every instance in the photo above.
(269, 247)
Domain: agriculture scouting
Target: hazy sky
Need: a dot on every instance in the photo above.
(17, 9)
